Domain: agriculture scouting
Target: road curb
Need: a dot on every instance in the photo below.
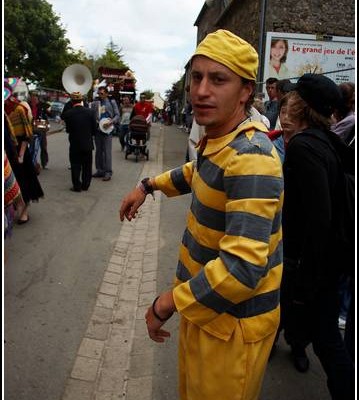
(115, 357)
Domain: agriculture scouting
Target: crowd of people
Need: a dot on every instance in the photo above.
(21, 170)
(260, 254)
(90, 126)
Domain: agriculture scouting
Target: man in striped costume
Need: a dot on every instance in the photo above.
(230, 260)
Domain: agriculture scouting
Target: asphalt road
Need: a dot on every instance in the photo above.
(54, 266)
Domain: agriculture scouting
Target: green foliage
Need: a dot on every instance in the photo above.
(36, 49)
(111, 59)
(35, 46)
(148, 94)
(176, 93)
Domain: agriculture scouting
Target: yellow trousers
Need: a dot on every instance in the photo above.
(213, 369)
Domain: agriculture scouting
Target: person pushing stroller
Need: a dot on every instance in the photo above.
(137, 137)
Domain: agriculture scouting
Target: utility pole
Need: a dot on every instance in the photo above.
(262, 35)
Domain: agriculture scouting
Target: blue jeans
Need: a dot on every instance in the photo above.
(103, 154)
(123, 134)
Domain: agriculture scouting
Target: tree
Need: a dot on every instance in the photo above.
(176, 93)
(148, 94)
(111, 59)
(35, 46)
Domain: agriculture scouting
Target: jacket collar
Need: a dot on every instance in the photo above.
(214, 145)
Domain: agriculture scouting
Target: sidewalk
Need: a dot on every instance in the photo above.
(115, 357)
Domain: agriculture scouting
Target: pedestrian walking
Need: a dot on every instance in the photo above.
(271, 105)
(17, 135)
(313, 257)
(81, 126)
(230, 262)
(108, 116)
(125, 111)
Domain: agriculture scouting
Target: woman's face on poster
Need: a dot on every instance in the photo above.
(278, 50)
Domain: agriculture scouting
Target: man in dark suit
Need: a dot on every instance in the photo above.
(81, 126)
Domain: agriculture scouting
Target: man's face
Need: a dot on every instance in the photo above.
(102, 94)
(218, 96)
(142, 99)
(272, 90)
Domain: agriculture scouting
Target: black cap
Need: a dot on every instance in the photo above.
(319, 92)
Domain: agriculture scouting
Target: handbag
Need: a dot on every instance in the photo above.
(40, 125)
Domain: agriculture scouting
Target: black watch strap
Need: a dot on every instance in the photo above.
(147, 186)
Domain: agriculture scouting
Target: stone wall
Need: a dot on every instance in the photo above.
(331, 17)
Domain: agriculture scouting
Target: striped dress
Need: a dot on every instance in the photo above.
(12, 196)
(230, 261)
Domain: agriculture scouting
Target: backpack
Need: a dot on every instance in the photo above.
(343, 223)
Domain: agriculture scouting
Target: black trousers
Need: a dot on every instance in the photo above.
(81, 168)
(44, 156)
(316, 322)
(330, 348)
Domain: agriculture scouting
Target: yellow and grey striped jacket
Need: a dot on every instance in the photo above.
(230, 261)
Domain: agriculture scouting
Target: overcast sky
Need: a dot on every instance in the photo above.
(157, 37)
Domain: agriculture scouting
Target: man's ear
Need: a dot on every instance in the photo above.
(247, 91)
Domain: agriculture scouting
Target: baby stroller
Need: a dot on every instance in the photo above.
(137, 137)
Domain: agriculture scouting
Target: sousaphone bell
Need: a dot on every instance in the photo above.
(77, 78)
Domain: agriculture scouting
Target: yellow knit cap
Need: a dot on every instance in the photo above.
(232, 51)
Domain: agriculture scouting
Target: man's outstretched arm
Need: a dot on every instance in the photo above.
(132, 202)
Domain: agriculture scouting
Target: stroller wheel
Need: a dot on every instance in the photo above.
(147, 154)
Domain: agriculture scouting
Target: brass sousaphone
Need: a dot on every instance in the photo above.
(77, 78)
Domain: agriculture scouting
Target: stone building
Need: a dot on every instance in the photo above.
(252, 19)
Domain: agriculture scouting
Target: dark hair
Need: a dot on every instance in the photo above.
(104, 88)
(283, 85)
(347, 91)
(250, 101)
(299, 110)
(283, 101)
(274, 42)
(271, 80)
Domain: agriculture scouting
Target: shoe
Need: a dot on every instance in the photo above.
(341, 323)
(75, 190)
(98, 175)
(23, 221)
(300, 359)
(106, 178)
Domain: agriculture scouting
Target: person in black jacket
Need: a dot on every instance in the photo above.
(312, 258)
(81, 126)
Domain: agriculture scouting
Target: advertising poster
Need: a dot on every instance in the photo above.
(289, 56)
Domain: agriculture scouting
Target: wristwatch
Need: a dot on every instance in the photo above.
(147, 187)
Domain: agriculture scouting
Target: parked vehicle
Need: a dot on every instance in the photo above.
(56, 109)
